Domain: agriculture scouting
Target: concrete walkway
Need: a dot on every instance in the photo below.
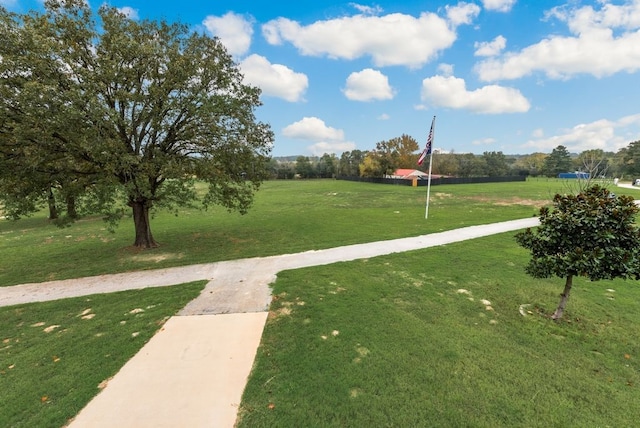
(193, 371)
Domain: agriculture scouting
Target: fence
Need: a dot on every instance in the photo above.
(436, 181)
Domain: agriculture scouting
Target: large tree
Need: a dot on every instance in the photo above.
(558, 161)
(349, 162)
(142, 108)
(594, 161)
(34, 169)
(370, 166)
(470, 165)
(445, 164)
(304, 167)
(398, 152)
(495, 164)
(327, 164)
(532, 164)
(591, 234)
(631, 159)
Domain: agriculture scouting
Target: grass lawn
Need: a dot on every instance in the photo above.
(436, 338)
(55, 355)
(386, 341)
(287, 217)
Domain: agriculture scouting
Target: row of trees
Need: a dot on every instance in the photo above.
(401, 153)
(97, 117)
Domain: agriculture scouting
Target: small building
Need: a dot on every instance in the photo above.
(576, 174)
(409, 174)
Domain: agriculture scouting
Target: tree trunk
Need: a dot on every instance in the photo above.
(564, 297)
(53, 210)
(72, 212)
(144, 238)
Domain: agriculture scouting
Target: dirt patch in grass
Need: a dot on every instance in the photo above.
(505, 202)
(279, 313)
(520, 201)
(238, 241)
(157, 258)
(286, 306)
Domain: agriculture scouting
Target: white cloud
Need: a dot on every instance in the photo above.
(384, 116)
(602, 134)
(367, 85)
(313, 129)
(274, 79)
(483, 141)
(491, 48)
(498, 5)
(325, 138)
(393, 39)
(603, 42)
(8, 3)
(462, 13)
(321, 148)
(445, 69)
(538, 133)
(129, 12)
(367, 10)
(451, 92)
(582, 19)
(233, 30)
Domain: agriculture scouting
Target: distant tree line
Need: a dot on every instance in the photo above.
(402, 152)
(325, 166)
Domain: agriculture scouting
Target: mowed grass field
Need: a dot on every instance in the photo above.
(287, 217)
(56, 356)
(450, 336)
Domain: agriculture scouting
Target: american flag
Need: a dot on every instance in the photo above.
(427, 149)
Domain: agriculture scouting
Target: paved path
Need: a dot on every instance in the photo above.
(193, 371)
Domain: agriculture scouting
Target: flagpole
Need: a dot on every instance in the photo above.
(432, 132)
(426, 210)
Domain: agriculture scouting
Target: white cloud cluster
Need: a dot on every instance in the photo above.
(274, 79)
(393, 39)
(491, 48)
(368, 85)
(325, 138)
(277, 80)
(603, 42)
(498, 5)
(451, 92)
(538, 133)
(602, 134)
(445, 69)
(462, 13)
(367, 10)
(314, 129)
(484, 141)
(233, 30)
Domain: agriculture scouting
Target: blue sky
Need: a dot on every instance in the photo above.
(500, 75)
